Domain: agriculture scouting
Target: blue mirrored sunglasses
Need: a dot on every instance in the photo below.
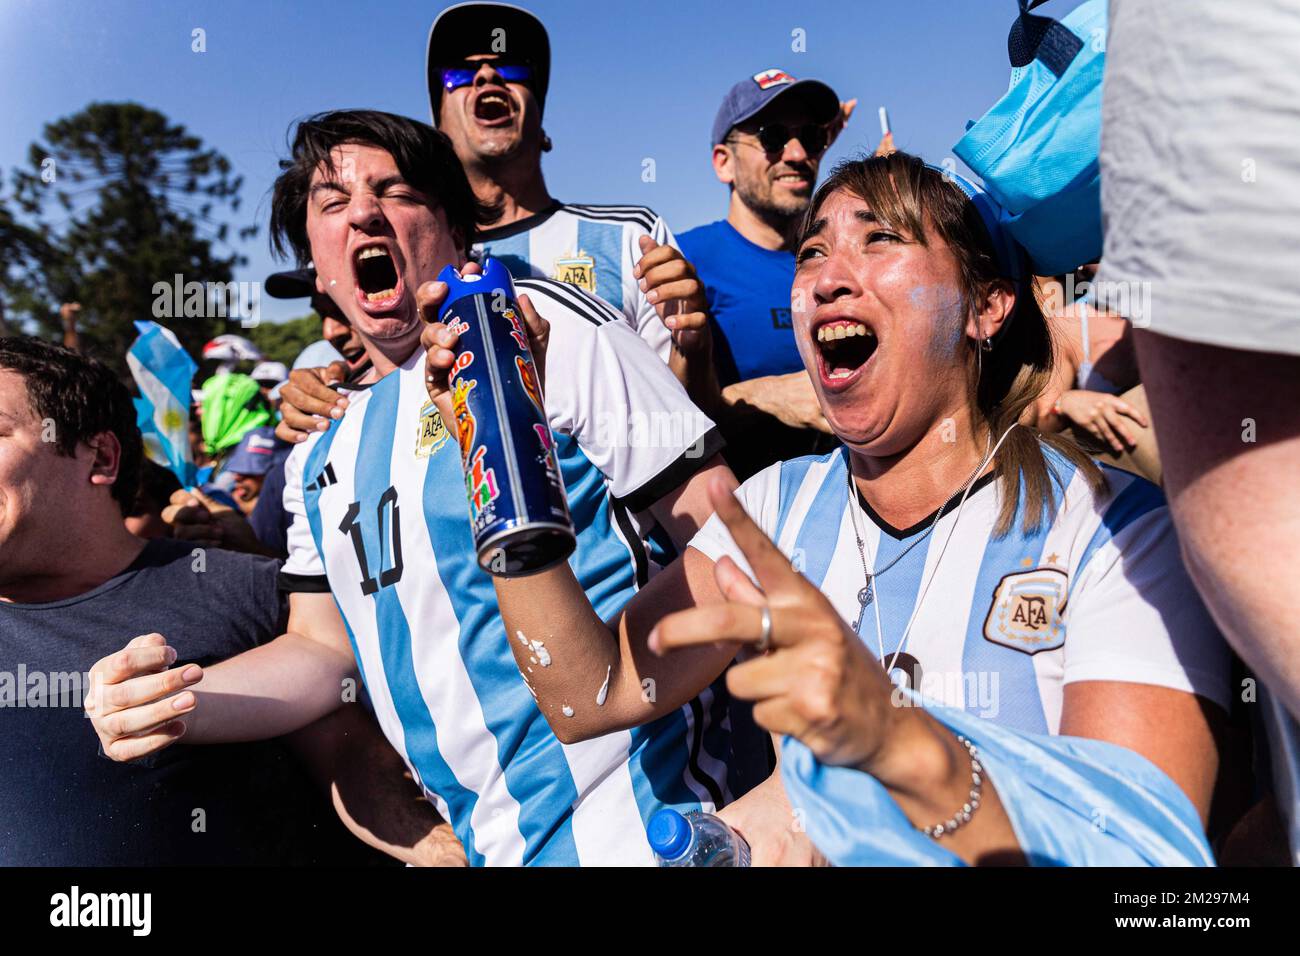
(453, 78)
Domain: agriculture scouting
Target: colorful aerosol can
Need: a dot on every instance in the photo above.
(517, 507)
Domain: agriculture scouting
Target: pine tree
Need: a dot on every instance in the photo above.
(121, 199)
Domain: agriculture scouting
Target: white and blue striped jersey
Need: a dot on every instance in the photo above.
(1099, 592)
(592, 247)
(380, 517)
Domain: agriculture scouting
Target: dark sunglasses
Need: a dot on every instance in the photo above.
(454, 77)
(812, 136)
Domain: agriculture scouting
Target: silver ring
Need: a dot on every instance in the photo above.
(765, 636)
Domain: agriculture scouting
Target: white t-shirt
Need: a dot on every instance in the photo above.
(1097, 593)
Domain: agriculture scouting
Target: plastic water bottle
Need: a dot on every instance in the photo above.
(695, 839)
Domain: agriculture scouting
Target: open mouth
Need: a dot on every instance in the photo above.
(378, 283)
(793, 180)
(492, 107)
(844, 347)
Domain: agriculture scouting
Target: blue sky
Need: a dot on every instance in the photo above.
(629, 81)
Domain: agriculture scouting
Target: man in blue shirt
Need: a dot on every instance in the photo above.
(768, 139)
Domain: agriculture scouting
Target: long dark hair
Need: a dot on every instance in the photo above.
(910, 196)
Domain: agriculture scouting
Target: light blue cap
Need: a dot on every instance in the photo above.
(317, 355)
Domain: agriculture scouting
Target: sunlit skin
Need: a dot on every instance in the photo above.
(483, 133)
(851, 268)
(771, 185)
(43, 555)
(499, 144)
(376, 206)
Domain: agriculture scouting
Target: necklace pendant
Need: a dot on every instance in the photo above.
(865, 596)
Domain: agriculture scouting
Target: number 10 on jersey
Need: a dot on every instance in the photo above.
(389, 535)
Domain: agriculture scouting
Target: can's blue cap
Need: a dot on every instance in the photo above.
(495, 277)
(669, 834)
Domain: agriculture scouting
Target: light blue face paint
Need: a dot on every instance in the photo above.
(947, 313)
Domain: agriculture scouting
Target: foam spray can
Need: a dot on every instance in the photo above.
(518, 511)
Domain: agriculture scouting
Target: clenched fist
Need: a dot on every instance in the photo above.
(137, 701)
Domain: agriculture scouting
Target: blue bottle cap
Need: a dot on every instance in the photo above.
(669, 834)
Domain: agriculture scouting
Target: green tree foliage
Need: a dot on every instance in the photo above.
(122, 199)
(22, 282)
(282, 341)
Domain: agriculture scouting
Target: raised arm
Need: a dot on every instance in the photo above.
(594, 373)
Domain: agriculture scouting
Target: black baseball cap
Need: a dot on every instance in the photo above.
(751, 94)
(467, 29)
(294, 284)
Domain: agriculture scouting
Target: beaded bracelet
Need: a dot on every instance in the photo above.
(962, 816)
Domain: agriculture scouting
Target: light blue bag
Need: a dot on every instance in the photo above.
(1036, 149)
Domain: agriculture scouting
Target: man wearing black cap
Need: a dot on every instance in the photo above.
(335, 328)
(768, 139)
(488, 67)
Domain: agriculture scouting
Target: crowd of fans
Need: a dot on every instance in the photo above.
(902, 587)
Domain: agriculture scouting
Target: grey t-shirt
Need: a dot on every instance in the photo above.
(1200, 162)
(63, 803)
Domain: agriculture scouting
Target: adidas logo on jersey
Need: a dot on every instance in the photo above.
(324, 479)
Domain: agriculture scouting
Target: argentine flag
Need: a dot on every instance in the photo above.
(1071, 802)
(163, 371)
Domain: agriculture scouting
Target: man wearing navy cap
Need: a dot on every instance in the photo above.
(768, 138)
(257, 453)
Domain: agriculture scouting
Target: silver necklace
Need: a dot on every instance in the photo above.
(867, 593)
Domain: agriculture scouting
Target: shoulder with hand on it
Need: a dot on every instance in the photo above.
(553, 298)
(298, 452)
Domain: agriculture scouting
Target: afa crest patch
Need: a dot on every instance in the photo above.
(1026, 611)
(577, 269)
(433, 433)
